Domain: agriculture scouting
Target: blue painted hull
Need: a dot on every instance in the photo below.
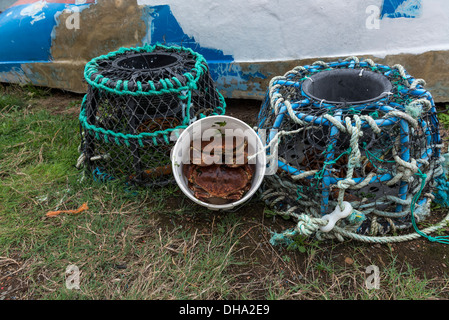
(28, 34)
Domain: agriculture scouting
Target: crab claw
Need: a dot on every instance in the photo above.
(238, 156)
(206, 153)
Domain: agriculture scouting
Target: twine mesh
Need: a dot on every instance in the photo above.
(137, 101)
(377, 150)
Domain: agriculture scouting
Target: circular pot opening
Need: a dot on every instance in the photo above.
(350, 86)
(146, 61)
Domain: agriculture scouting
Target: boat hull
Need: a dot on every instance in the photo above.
(246, 44)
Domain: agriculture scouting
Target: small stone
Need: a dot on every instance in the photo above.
(121, 266)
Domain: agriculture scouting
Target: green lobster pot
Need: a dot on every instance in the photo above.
(137, 101)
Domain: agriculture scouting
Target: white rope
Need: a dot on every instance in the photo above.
(310, 221)
(417, 82)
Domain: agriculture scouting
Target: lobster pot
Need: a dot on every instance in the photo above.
(137, 100)
(353, 131)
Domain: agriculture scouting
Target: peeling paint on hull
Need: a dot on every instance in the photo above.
(39, 47)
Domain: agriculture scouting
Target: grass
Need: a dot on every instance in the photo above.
(157, 244)
(444, 119)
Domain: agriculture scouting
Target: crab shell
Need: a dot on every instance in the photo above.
(219, 181)
(217, 151)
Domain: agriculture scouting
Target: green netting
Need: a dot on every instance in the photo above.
(137, 99)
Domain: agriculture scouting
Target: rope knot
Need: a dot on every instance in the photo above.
(346, 183)
(307, 226)
(408, 171)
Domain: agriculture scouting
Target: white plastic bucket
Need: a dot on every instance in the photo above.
(181, 155)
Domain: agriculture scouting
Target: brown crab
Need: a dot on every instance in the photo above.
(206, 153)
(221, 181)
(219, 184)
